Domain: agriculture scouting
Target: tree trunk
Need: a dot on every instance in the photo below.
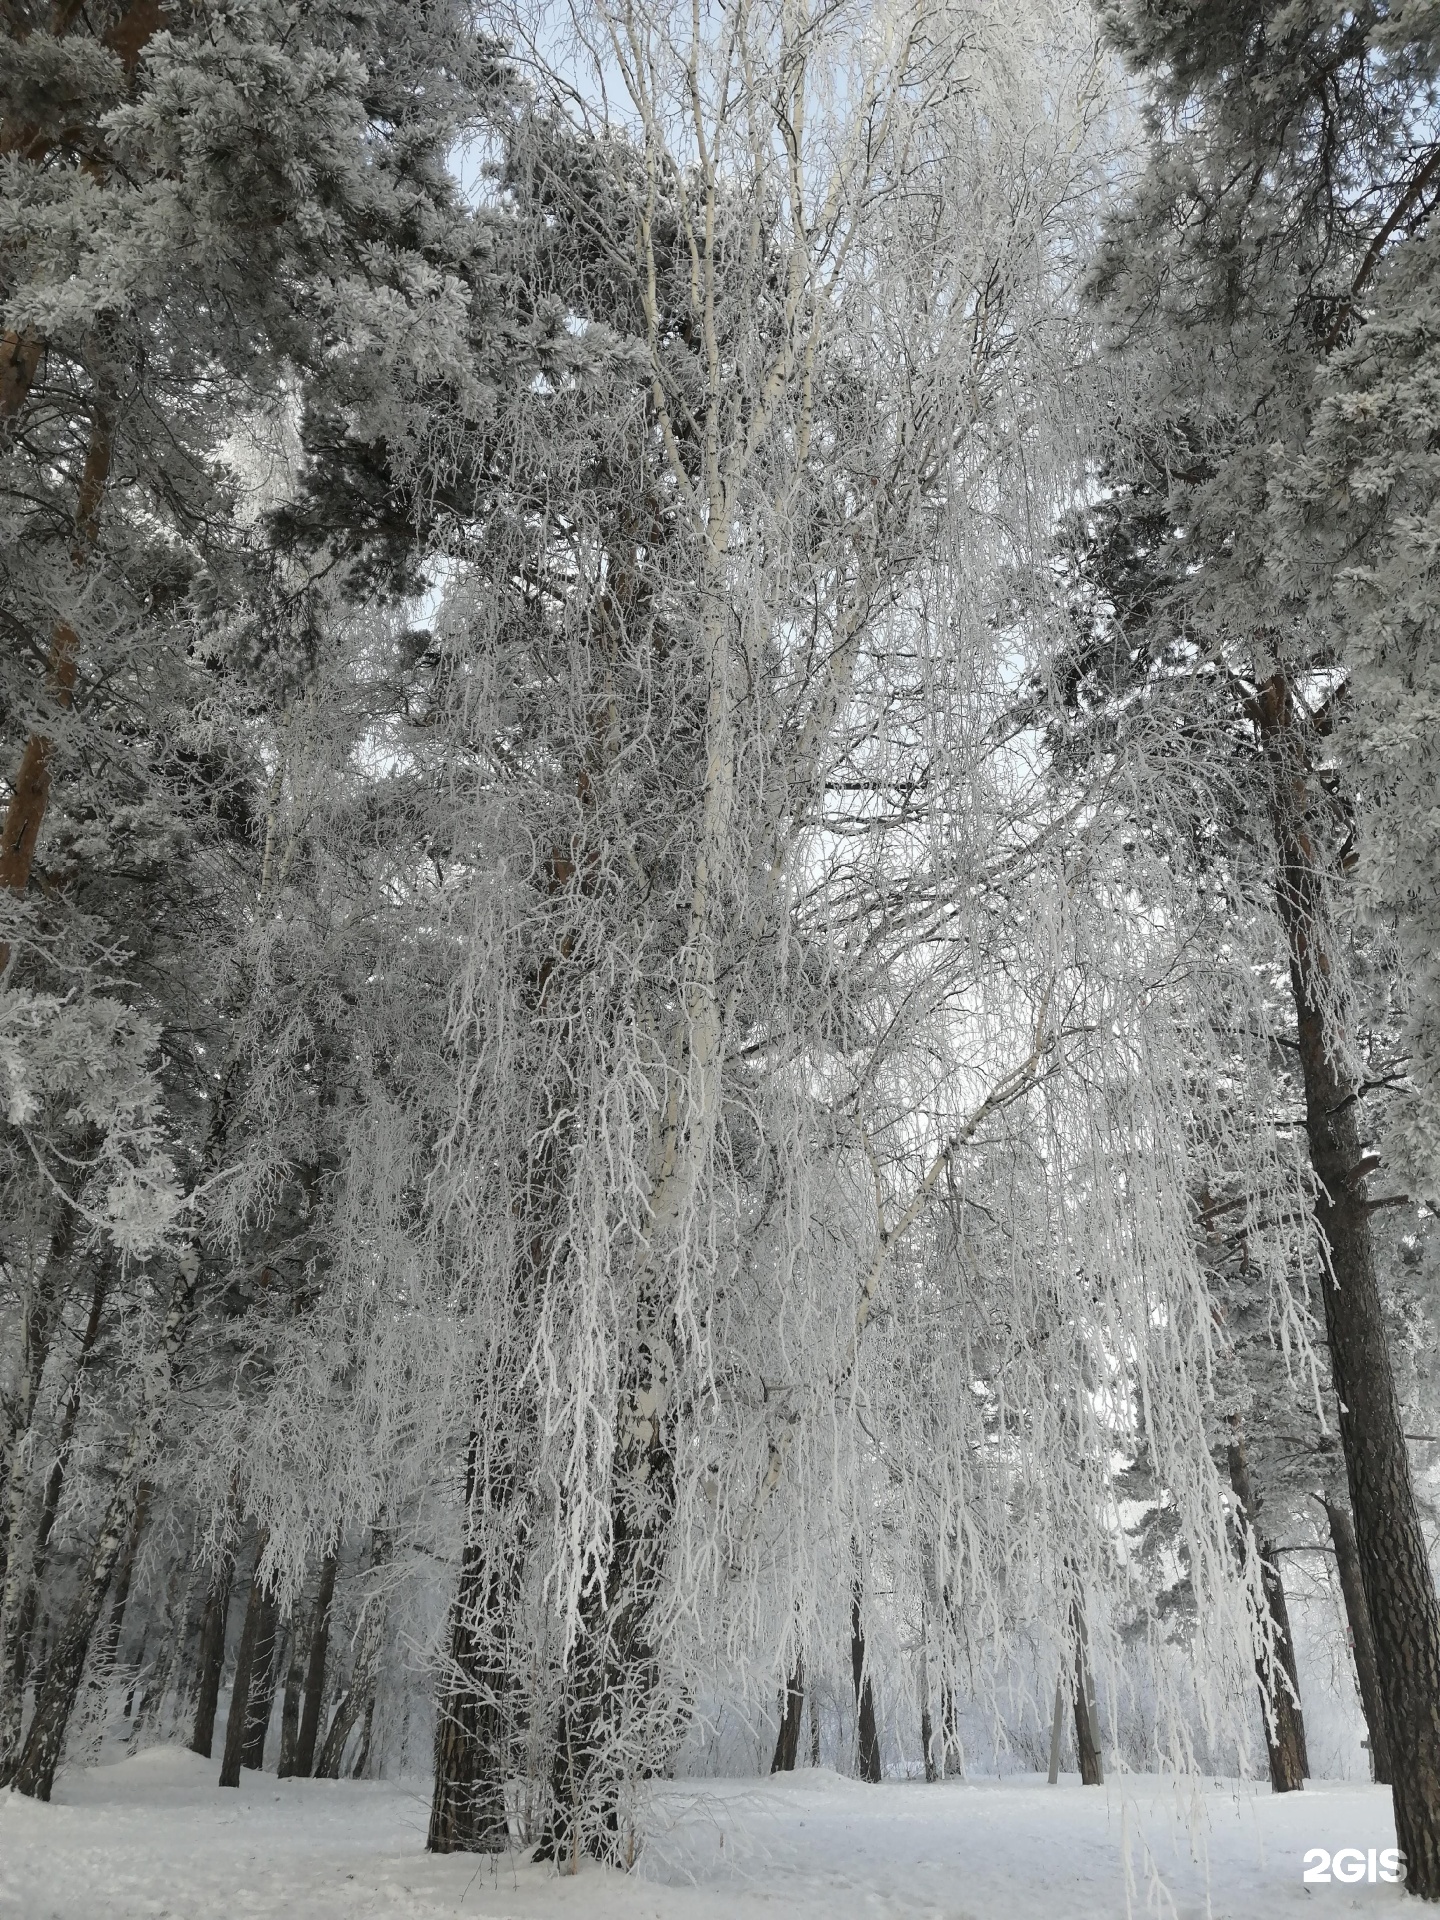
(953, 1765)
(342, 1724)
(1057, 1729)
(290, 1700)
(237, 1726)
(814, 1729)
(30, 794)
(867, 1752)
(212, 1655)
(612, 1683)
(20, 356)
(120, 1585)
(927, 1732)
(1279, 1688)
(35, 1771)
(362, 1758)
(1362, 1640)
(40, 1755)
(40, 1311)
(467, 1808)
(262, 1687)
(20, 1605)
(361, 1690)
(1087, 1729)
(107, 1649)
(1394, 1564)
(787, 1743)
(315, 1668)
(1292, 1715)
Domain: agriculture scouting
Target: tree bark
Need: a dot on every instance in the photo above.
(1362, 1640)
(35, 1773)
(212, 1655)
(867, 1754)
(262, 1687)
(1279, 1686)
(21, 1573)
(467, 1808)
(1087, 1731)
(612, 1680)
(20, 1615)
(359, 1693)
(362, 1757)
(787, 1743)
(1394, 1564)
(927, 1731)
(1057, 1728)
(37, 1324)
(20, 354)
(953, 1766)
(315, 1668)
(30, 795)
(290, 1700)
(120, 1583)
(237, 1726)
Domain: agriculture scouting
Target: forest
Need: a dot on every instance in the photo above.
(719, 918)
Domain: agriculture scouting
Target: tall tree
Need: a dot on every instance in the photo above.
(1291, 151)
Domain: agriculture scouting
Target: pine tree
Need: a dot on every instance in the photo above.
(1289, 153)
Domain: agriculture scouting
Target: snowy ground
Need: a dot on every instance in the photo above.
(154, 1836)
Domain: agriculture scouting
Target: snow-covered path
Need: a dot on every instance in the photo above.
(155, 1837)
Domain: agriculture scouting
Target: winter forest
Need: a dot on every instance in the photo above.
(719, 936)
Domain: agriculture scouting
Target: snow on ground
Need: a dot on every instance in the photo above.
(154, 1836)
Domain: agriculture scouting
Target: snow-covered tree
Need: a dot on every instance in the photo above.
(1289, 153)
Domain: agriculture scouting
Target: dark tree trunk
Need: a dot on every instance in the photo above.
(55, 1481)
(348, 1709)
(362, 1758)
(1292, 1712)
(612, 1683)
(23, 1585)
(290, 1700)
(1279, 1687)
(814, 1730)
(120, 1586)
(867, 1747)
(35, 1771)
(315, 1668)
(237, 1726)
(262, 1687)
(950, 1731)
(131, 1690)
(212, 1655)
(1394, 1564)
(467, 1807)
(21, 1573)
(1087, 1731)
(927, 1724)
(360, 1692)
(787, 1744)
(37, 1322)
(1362, 1640)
